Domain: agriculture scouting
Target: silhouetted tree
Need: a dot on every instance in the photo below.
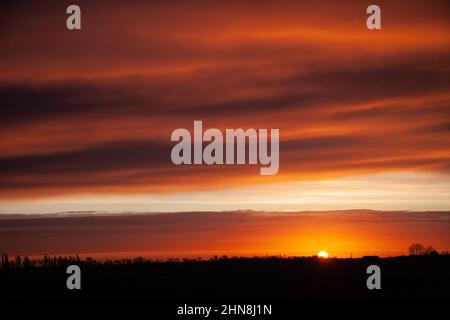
(430, 251)
(416, 249)
(26, 262)
(5, 261)
(46, 261)
(18, 261)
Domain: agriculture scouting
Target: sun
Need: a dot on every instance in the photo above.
(322, 254)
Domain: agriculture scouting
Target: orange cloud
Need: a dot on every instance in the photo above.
(92, 111)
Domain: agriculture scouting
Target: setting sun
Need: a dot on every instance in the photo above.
(322, 254)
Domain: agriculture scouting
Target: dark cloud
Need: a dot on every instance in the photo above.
(138, 96)
(105, 157)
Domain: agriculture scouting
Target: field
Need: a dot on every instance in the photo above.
(267, 279)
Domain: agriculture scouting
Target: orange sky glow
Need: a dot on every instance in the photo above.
(364, 119)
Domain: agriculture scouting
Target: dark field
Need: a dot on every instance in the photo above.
(235, 279)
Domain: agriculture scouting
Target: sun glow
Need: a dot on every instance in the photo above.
(322, 254)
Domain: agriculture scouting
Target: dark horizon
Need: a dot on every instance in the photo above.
(271, 280)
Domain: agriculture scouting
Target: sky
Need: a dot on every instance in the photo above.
(342, 234)
(86, 116)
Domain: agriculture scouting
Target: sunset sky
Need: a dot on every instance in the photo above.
(364, 116)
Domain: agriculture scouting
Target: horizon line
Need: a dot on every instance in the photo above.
(107, 213)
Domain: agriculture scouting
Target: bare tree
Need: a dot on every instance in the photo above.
(26, 262)
(416, 249)
(5, 261)
(18, 261)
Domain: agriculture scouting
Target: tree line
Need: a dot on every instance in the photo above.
(415, 249)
